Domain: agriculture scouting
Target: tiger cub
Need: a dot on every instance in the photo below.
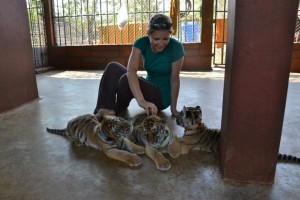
(152, 132)
(197, 136)
(106, 133)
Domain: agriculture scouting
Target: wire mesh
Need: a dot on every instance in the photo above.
(35, 11)
(297, 29)
(220, 32)
(92, 22)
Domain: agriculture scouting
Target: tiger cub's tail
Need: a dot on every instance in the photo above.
(288, 158)
(56, 131)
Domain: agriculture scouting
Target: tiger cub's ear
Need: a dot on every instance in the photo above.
(100, 115)
(150, 122)
(163, 121)
(104, 113)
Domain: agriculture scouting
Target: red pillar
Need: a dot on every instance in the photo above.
(17, 76)
(259, 48)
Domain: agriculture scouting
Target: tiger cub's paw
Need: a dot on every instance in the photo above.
(139, 150)
(174, 148)
(162, 163)
(134, 160)
(78, 143)
(134, 148)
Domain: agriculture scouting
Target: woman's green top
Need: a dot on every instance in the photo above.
(159, 65)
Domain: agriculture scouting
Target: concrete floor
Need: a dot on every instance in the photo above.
(38, 165)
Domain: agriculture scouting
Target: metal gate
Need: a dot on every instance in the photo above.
(220, 32)
(35, 10)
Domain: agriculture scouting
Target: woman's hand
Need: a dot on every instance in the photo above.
(150, 108)
(175, 112)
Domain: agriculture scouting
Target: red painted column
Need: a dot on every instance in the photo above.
(259, 48)
(17, 76)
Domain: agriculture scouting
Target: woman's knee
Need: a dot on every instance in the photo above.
(115, 67)
(123, 81)
(123, 89)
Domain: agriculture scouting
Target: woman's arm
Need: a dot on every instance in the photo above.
(175, 84)
(132, 68)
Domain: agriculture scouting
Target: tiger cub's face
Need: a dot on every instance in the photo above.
(155, 129)
(116, 128)
(190, 117)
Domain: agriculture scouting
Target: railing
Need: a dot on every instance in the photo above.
(37, 32)
(220, 32)
(92, 22)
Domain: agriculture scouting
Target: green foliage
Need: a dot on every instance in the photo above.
(35, 11)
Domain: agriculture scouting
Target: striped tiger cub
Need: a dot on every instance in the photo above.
(152, 132)
(197, 136)
(106, 133)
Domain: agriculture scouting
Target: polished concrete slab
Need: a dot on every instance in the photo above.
(38, 165)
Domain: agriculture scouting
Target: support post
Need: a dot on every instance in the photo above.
(259, 48)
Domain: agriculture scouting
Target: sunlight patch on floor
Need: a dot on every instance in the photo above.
(218, 74)
(214, 74)
(78, 74)
(294, 77)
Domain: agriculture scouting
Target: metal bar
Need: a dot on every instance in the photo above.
(101, 23)
(76, 21)
(37, 33)
(69, 17)
(58, 23)
(95, 20)
(95, 28)
(81, 22)
(63, 8)
(107, 20)
(114, 23)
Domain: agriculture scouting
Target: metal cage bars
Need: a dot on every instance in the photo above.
(92, 22)
(35, 11)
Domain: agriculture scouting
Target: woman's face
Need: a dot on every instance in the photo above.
(159, 39)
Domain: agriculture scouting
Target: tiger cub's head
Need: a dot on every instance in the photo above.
(116, 128)
(190, 117)
(156, 132)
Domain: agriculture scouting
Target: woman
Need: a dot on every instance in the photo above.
(162, 58)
